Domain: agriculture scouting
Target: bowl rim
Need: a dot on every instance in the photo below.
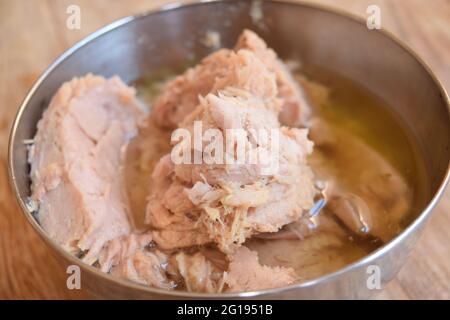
(412, 227)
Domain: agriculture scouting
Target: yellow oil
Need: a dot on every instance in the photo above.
(360, 113)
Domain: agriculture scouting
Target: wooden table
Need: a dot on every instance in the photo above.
(33, 33)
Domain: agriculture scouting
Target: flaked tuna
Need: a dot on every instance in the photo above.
(296, 109)
(195, 204)
(76, 163)
(198, 273)
(245, 273)
(134, 257)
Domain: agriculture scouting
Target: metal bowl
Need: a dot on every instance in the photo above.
(167, 37)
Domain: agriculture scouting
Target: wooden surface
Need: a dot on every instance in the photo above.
(33, 33)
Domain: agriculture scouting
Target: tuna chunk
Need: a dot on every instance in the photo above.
(245, 273)
(195, 204)
(173, 228)
(133, 257)
(180, 95)
(122, 248)
(198, 273)
(76, 163)
(145, 267)
(233, 67)
(296, 109)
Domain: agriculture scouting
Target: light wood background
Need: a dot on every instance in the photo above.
(33, 33)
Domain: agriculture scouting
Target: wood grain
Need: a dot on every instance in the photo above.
(33, 33)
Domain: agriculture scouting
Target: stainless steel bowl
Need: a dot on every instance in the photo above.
(166, 38)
